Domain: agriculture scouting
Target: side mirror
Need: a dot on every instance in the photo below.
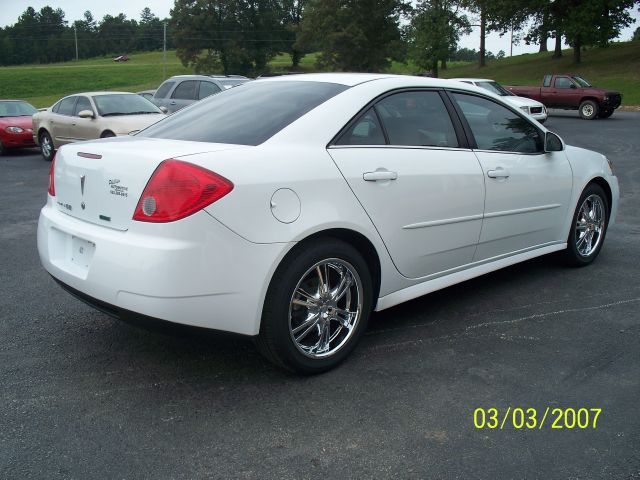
(85, 114)
(164, 109)
(553, 143)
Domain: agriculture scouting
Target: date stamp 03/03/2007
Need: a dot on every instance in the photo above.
(536, 419)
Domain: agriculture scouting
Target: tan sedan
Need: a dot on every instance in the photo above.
(91, 115)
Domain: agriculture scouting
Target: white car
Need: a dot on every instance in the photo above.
(290, 208)
(532, 107)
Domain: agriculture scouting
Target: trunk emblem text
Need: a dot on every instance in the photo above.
(115, 188)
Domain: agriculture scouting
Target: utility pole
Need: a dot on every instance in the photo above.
(75, 35)
(511, 52)
(164, 52)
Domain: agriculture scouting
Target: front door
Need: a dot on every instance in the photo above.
(527, 190)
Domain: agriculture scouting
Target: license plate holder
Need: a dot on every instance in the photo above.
(82, 251)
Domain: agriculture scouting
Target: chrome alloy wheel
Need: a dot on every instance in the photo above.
(590, 225)
(46, 146)
(325, 308)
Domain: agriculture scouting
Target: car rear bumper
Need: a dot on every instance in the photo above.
(193, 272)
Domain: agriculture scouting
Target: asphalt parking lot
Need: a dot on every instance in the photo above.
(86, 396)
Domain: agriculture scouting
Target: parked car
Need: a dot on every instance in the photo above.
(15, 125)
(90, 115)
(121, 58)
(289, 208)
(182, 90)
(148, 94)
(531, 107)
(572, 92)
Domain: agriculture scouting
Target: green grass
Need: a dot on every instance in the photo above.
(616, 67)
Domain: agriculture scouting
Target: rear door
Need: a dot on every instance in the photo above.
(161, 97)
(411, 170)
(61, 121)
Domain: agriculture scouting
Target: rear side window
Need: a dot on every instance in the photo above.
(66, 106)
(185, 91)
(246, 115)
(206, 89)
(547, 81)
(365, 131)
(497, 128)
(417, 119)
(83, 104)
(164, 89)
(562, 82)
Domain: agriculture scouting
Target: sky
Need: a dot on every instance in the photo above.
(10, 10)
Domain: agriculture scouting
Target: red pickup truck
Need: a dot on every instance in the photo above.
(572, 92)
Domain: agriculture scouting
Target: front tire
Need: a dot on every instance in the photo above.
(2, 149)
(606, 113)
(107, 134)
(589, 227)
(588, 110)
(46, 146)
(316, 308)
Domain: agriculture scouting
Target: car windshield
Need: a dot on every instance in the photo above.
(16, 109)
(581, 81)
(249, 114)
(496, 88)
(123, 104)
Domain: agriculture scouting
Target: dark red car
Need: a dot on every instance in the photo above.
(16, 125)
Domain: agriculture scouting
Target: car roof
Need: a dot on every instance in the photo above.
(473, 79)
(208, 77)
(353, 79)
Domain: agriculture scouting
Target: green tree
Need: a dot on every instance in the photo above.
(293, 11)
(354, 35)
(236, 36)
(435, 29)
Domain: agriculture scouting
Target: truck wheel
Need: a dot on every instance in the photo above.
(605, 113)
(588, 110)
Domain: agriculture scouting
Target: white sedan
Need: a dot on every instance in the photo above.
(532, 107)
(290, 208)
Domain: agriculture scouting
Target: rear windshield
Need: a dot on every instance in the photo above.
(16, 109)
(123, 104)
(248, 114)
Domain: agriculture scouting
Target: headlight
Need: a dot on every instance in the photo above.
(14, 129)
(606, 98)
(525, 109)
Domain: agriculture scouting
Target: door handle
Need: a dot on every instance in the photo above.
(379, 175)
(498, 173)
(172, 103)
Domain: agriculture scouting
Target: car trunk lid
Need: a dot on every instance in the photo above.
(101, 182)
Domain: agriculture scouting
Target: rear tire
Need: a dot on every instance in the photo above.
(588, 110)
(46, 146)
(588, 227)
(316, 308)
(107, 134)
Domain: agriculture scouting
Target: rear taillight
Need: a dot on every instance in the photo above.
(52, 178)
(178, 189)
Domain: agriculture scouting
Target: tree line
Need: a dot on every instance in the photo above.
(242, 36)
(45, 36)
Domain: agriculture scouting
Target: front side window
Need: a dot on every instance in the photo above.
(83, 104)
(186, 90)
(417, 119)
(248, 114)
(206, 89)
(563, 82)
(66, 106)
(163, 91)
(365, 131)
(497, 128)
